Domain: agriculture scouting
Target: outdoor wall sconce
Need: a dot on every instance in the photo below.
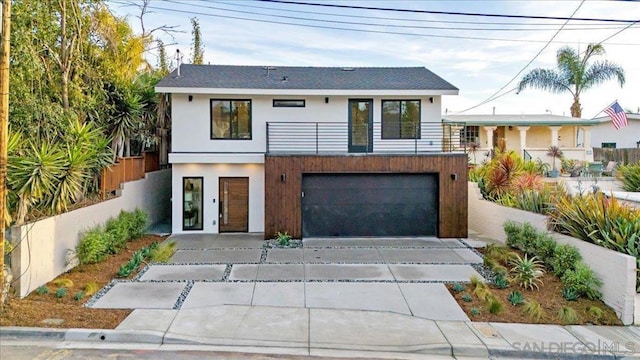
(283, 177)
(190, 97)
(431, 99)
(326, 100)
(454, 177)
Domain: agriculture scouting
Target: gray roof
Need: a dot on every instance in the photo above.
(518, 120)
(309, 78)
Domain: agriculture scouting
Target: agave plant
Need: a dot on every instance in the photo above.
(526, 271)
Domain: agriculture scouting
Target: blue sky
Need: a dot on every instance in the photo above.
(479, 68)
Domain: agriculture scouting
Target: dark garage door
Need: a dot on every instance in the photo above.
(369, 204)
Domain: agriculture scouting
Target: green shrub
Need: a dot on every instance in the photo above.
(467, 298)
(568, 315)
(630, 176)
(595, 312)
(93, 246)
(500, 281)
(526, 272)
(63, 282)
(570, 294)
(565, 257)
(475, 311)
(283, 238)
(140, 223)
(119, 235)
(495, 306)
(515, 298)
(163, 252)
(61, 292)
(512, 230)
(79, 295)
(583, 281)
(42, 290)
(457, 287)
(544, 246)
(533, 310)
(91, 288)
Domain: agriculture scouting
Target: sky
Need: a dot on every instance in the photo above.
(480, 55)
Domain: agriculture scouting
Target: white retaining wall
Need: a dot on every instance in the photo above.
(616, 270)
(41, 247)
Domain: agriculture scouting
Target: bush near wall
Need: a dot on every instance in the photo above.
(563, 260)
(630, 177)
(600, 220)
(99, 242)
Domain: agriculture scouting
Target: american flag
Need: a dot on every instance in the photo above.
(617, 115)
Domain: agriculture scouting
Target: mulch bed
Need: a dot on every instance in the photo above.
(35, 308)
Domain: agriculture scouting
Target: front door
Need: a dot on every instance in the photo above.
(234, 204)
(360, 125)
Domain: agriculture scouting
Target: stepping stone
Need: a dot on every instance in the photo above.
(217, 256)
(449, 273)
(141, 295)
(356, 296)
(432, 301)
(204, 294)
(347, 272)
(184, 272)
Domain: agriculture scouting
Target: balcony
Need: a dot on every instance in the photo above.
(341, 138)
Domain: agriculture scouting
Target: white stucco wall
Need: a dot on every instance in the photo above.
(616, 270)
(191, 122)
(624, 138)
(41, 247)
(211, 174)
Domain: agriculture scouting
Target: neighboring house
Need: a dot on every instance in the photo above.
(529, 135)
(605, 135)
(314, 151)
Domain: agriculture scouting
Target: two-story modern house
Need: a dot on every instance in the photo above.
(314, 151)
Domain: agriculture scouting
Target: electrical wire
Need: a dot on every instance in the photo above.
(495, 96)
(510, 16)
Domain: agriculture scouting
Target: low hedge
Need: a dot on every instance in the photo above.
(98, 242)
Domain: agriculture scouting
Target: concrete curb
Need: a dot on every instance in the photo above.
(115, 336)
(17, 332)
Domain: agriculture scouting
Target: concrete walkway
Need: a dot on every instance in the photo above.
(398, 275)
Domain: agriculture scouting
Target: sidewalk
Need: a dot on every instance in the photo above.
(353, 333)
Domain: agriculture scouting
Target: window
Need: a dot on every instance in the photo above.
(192, 203)
(400, 119)
(609, 145)
(288, 103)
(470, 135)
(230, 119)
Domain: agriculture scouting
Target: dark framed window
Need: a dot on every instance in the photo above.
(401, 119)
(609, 145)
(230, 119)
(192, 203)
(288, 103)
(470, 135)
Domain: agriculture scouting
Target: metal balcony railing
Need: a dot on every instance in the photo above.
(339, 137)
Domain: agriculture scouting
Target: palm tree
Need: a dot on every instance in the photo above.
(574, 74)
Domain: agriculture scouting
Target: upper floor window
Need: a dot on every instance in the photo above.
(400, 119)
(230, 119)
(470, 135)
(288, 103)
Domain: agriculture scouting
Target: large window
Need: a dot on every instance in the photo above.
(609, 145)
(470, 135)
(192, 203)
(400, 119)
(231, 119)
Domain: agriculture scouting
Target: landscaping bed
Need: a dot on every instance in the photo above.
(34, 309)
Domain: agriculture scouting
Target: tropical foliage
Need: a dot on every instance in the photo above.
(81, 94)
(630, 176)
(575, 74)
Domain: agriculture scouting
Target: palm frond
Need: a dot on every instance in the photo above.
(601, 71)
(545, 79)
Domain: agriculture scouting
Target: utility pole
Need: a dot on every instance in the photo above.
(4, 132)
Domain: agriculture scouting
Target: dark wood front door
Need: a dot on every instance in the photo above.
(234, 204)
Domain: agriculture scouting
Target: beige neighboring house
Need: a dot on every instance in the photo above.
(605, 135)
(529, 135)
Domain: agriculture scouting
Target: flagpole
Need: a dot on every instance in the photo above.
(604, 108)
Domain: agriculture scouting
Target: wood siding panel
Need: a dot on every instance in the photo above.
(283, 196)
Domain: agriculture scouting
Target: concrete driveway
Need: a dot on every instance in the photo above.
(398, 275)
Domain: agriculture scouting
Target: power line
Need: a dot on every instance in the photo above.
(387, 18)
(350, 29)
(444, 12)
(449, 28)
(493, 96)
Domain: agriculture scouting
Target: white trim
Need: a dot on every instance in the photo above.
(205, 158)
(325, 92)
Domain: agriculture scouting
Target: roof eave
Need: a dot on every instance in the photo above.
(321, 92)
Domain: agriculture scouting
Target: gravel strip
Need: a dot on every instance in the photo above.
(183, 295)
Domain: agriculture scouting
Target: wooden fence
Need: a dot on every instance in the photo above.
(127, 169)
(621, 156)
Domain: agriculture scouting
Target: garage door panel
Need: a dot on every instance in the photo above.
(369, 205)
